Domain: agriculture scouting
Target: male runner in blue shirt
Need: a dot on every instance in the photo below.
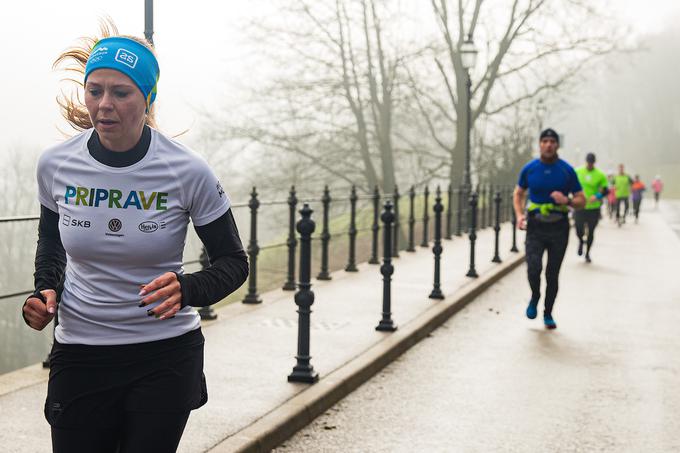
(549, 181)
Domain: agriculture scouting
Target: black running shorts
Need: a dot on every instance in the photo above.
(95, 385)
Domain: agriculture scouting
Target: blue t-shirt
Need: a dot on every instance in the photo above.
(542, 179)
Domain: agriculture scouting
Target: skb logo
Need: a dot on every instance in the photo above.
(80, 223)
(70, 221)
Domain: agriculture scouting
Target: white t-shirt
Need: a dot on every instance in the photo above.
(121, 228)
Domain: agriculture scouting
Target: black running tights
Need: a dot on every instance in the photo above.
(583, 218)
(140, 432)
(619, 202)
(553, 238)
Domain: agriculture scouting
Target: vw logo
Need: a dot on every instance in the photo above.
(115, 225)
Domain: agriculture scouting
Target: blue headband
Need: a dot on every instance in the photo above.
(129, 57)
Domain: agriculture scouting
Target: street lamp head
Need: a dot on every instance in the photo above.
(468, 53)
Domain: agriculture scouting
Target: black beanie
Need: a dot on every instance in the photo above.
(550, 133)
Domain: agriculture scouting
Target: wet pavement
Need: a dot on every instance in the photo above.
(250, 349)
(670, 210)
(490, 380)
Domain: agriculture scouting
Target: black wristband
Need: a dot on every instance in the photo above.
(38, 295)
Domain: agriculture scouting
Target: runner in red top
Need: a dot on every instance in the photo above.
(638, 189)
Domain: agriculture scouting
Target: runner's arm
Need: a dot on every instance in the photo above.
(50, 256)
(519, 201)
(50, 262)
(603, 188)
(578, 201)
(228, 267)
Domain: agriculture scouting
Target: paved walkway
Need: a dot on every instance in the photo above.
(670, 210)
(490, 380)
(250, 349)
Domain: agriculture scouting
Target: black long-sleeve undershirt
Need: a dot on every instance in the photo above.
(50, 257)
(228, 267)
(227, 271)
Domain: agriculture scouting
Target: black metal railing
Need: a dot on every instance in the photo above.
(455, 211)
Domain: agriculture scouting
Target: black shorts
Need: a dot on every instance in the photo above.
(94, 385)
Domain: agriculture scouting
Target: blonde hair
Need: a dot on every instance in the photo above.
(74, 60)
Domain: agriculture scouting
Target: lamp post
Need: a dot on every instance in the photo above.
(468, 57)
(148, 20)
(540, 113)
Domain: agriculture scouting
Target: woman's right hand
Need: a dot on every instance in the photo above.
(38, 314)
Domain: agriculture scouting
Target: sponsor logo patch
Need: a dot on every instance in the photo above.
(148, 227)
(126, 57)
(70, 221)
(114, 198)
(98, 54)
(115, 225)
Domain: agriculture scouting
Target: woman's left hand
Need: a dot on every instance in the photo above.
(165, 288)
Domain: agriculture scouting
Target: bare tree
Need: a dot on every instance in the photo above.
(332, 104)
(351, 101)
(500, 155)
(531, 48)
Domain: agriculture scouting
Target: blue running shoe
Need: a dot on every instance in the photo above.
(531, 309)
(549, 322)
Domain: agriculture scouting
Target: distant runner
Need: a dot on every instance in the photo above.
(657, 186)
(549, 180)
(594, 183)
(638, 189)
(622, 184)
(611, 196)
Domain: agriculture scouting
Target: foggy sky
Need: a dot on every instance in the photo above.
(200, 45)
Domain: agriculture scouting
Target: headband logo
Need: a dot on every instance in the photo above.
(98, 54)
(126, 57)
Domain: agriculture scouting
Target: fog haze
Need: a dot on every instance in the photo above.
(201, 44)
(220, 64)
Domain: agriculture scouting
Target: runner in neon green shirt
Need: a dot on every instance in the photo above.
(622, 184)
(594, 183)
